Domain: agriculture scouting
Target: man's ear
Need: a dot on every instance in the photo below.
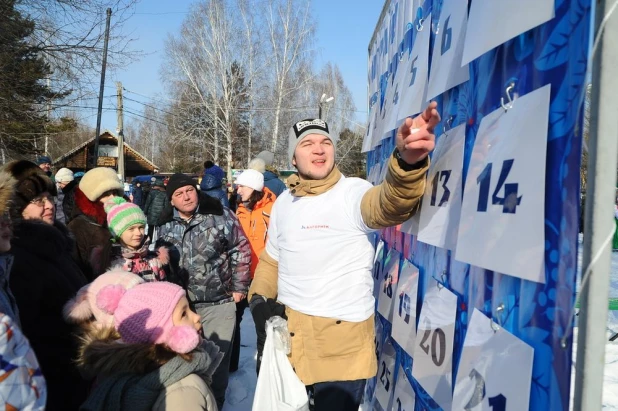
(294, 161)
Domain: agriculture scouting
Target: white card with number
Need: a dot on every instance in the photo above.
(404, 312)
(433, 354)
(385, 384)
(502, 223)
(396, 93)
(415, 80)
(404, 397)
(494, 22)
(388, 284)
(495, 369)
(378, 266)
(439, 222)
(446, 69)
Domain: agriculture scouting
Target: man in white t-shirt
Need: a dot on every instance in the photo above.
(318, 260)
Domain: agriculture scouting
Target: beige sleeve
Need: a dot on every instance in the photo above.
(266, 277)
(397, 198)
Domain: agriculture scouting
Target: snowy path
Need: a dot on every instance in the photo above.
(239, 395)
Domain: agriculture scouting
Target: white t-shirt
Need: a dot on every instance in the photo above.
(325, 252)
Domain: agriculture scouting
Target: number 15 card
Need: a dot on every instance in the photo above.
(502, 223)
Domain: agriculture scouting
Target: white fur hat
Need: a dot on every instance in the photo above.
(64, 175)
(251, 178)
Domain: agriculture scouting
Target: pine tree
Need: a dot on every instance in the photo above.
(23, 93)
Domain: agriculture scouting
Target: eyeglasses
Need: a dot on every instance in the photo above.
(40, 201)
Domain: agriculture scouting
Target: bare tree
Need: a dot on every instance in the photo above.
(70, 35)
(291, 34)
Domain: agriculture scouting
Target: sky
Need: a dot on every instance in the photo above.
(344, 29)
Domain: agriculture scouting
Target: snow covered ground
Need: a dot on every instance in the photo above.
(242, 383)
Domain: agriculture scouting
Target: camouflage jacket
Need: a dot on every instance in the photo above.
(212, 251)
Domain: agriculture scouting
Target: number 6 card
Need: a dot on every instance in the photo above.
(501, 227)
(433, 354)
(441, 206)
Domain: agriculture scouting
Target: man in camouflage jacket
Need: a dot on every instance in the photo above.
(214, 257)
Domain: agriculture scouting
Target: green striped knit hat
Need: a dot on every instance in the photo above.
(122, 215)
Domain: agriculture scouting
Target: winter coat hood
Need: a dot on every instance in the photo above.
(271, 180)
(132, 376)
(207, 205)
(210, 182)
(269, 175)
(92, 209)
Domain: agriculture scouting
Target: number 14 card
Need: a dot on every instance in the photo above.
(501, 227)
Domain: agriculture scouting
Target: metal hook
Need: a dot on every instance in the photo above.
(506, 108)
(440, 283)
(498, 314)
(448, 123)
(419, 25)
(401, 56)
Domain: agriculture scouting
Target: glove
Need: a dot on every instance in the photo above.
(262, 309)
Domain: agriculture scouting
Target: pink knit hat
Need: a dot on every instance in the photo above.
(143, 314)
(84, 306)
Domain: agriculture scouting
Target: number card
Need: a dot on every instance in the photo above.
(497, 21)
(495, 369)
(404, 312)
(433, 354)
(439, 221)
(415, 80)
(386, 372)
(378, 265)
(388, 284)
(404, 398)
(395, 93)
(446, 68)
(501, 226)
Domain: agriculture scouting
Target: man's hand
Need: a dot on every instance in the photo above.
(238, 297)
(415, 138)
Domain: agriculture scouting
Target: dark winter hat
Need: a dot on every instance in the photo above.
(7, 187)
(42, 160)
(158, 183)
(177, 181)
(31, 183)
(304, 128)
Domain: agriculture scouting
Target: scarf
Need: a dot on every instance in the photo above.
(134, 392)
(301, 188)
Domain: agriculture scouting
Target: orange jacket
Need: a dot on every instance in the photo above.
(255, 224)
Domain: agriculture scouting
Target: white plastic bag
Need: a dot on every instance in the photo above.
(278, 388)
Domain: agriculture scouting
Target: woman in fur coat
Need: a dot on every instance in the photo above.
(43, 278)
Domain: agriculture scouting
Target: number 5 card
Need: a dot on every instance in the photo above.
(433, 354)
(441, 207)
(501, 227)
(495, 369)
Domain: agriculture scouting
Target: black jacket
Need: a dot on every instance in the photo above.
(155, 205)
(44, 277)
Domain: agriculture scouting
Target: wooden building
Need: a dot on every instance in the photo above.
(80, 158)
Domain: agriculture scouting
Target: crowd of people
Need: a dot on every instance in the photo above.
(108, 304)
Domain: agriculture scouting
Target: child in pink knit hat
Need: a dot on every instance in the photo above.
(127, 223)
(83, 309)
(152, 357)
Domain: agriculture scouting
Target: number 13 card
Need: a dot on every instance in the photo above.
(502, 223)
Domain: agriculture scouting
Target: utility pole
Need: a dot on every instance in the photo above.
(601, 197)
(101, 89)
(120, 115)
